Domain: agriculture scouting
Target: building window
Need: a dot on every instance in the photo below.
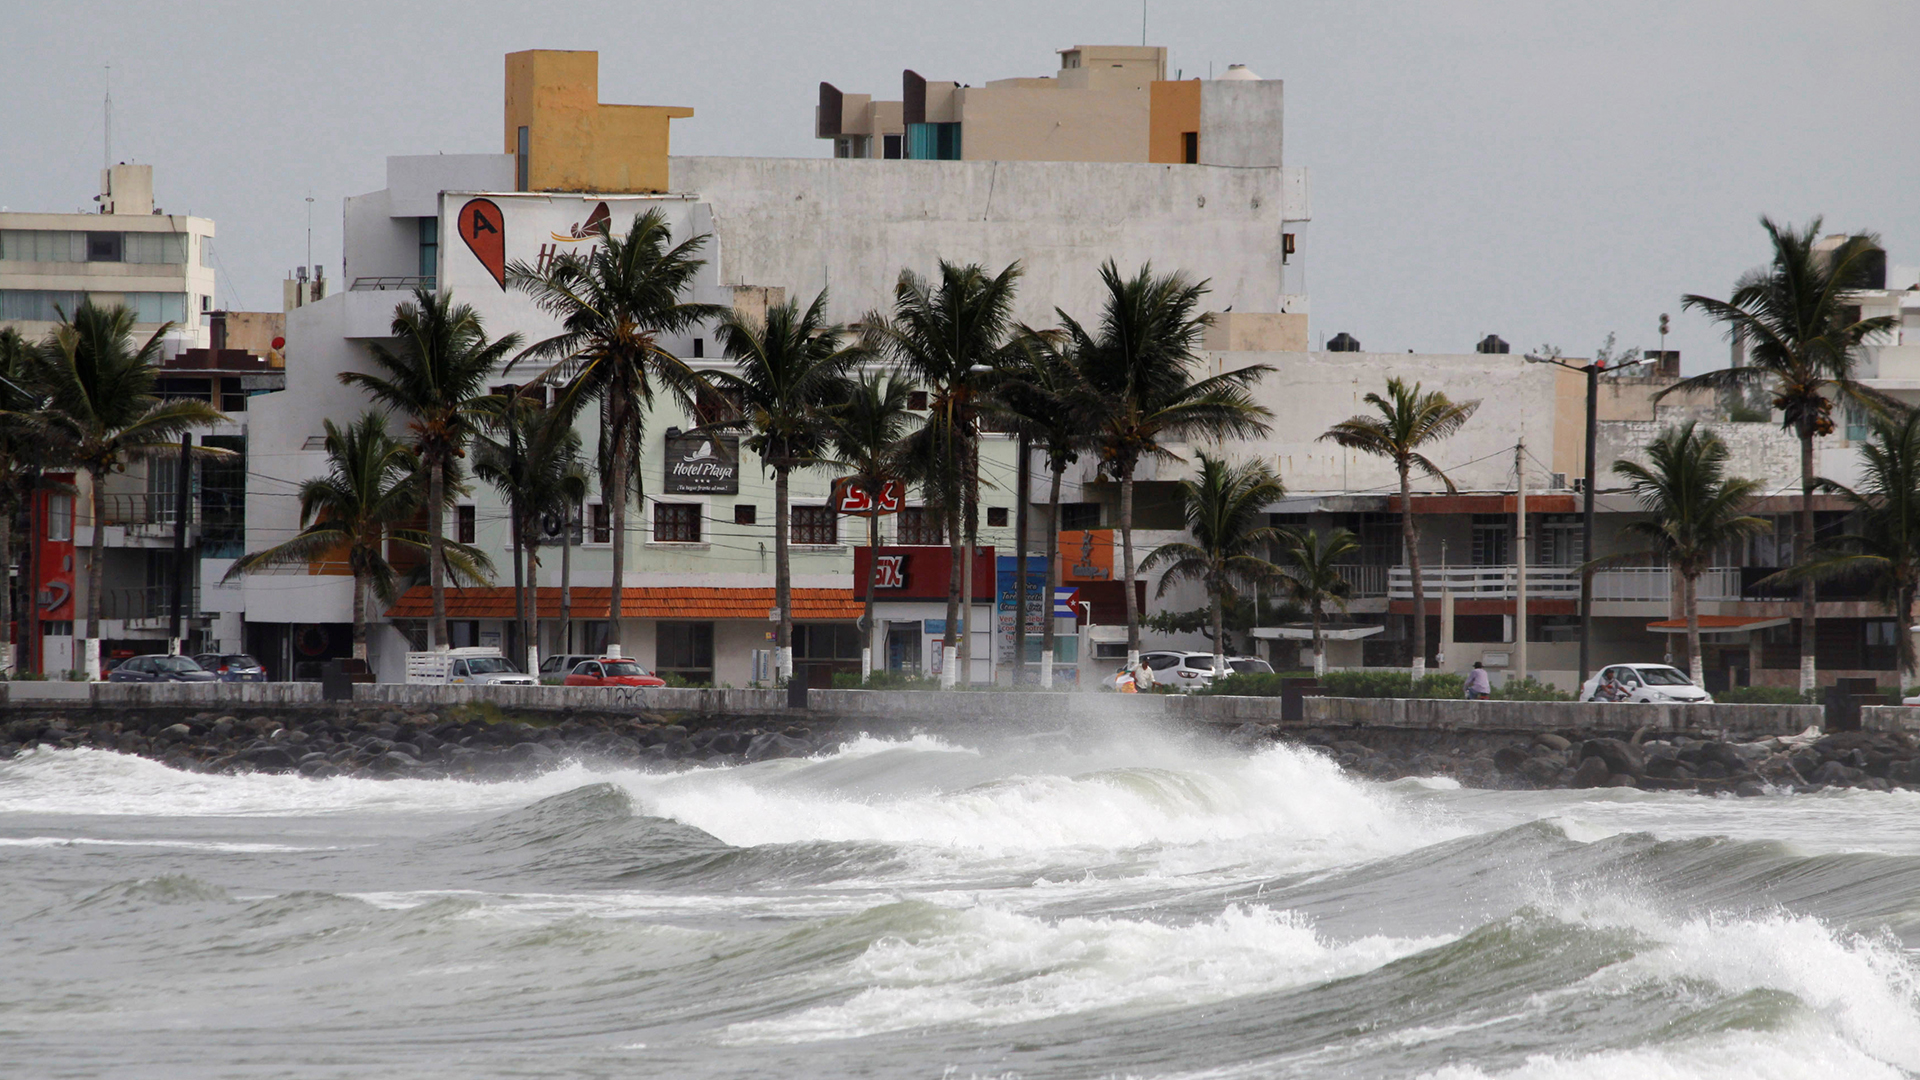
(1560, 541)
(150, 307)
(890, 147)
(917, 400)
(676, 523)
(826, 641)
(602, 525)
(60, 517)
(104, 246)
(154, 248)
(42, 245)
(1077, 516)
(745, 513)
(463, 528)
(997, 517)
(814, 525)
(1481, 629)
(1190, 147)
(37, 305)
(922, 525)
(684, 649)
(206, 252)
(429, 246)
(520, 159)
(699, 348)
(1492, 540)
(933, 142)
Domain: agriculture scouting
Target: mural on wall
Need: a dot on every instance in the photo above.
(484, 229)
(588, 229)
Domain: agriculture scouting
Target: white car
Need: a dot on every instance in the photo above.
(1646, 683)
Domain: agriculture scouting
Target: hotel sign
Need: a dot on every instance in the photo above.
(703, 465)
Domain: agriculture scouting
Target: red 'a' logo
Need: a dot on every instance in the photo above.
(484, 229)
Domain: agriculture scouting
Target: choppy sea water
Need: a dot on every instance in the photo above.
(1121, 906)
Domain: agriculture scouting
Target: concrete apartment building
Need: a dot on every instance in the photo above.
(699, 567)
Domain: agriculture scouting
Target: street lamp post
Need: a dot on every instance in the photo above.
(1592, 372)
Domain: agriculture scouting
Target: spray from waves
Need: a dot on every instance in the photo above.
(1157, 795)
(1805, 1053)
(984, 967)
(103, 782)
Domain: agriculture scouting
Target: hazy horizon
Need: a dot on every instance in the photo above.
(1489, 167)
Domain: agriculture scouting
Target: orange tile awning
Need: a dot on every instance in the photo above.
(679, 602)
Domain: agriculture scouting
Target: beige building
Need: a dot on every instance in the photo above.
(1105, 103)
(158, 264)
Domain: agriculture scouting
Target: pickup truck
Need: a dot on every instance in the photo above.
(481, 665)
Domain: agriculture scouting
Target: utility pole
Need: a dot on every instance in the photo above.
(1520, 558)
(180, 510)
(1592, 372)
(1023, 482)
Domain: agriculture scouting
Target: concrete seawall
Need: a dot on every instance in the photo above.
(893, 709)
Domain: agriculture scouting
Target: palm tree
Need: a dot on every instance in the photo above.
(866, 428)
(1802, 336)
(789, 370)
(1310, 576)
(101, 406)
(437, 378)
(367, 499)
(1694, 509)
(1045, 397)
(531, 456)
(1226, 509)
(950, 335)
(22, 448)
(1140, 365)
(615, 301)
(1408, 420)
(1885, 545)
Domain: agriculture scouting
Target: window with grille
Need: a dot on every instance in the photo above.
(917, 400)
(602, 524)
(676, 523)
(813, 525)
(464, 524)
(996, 517)
(745, 513)
(921, 525)
(1560, 540)
(1492, 540)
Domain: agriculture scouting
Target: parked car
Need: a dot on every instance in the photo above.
(232, 667)
(557, 666)
(1656, 683)
(160, 668)
(612, 671)
(1249, 665)
(1182, 671)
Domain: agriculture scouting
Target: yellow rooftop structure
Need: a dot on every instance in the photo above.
(564, 139)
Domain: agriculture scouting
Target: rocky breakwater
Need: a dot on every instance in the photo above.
(1802, 763)
(394, 743)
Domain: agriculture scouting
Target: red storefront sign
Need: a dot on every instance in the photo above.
(921, 572)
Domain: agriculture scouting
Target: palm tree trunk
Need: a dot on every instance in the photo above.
(1219, 631)
(873, 572)
(6, 588)
(1319, 644)
(1126, 565)
(617, 520)
(359, 614)
(96, 572)
(970, 508)
(1803, 550)
(530, 644)
(782, 579)
(948, 650)
(1689, 595)
(1053, 577)
(437, 553)
(1905, 615)
(519, 579)
(566, 582)
(1410, 536)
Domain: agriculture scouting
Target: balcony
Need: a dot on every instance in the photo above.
(142, 520)
(1625, 584)
(147, 607)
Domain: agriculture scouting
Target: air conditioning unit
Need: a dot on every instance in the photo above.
(1558, 482)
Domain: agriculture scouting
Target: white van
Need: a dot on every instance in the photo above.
(470, 666)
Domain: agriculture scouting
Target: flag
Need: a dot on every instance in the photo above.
(1063, 602)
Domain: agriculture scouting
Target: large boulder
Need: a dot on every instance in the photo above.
(268, 758)
(1619, 756)
(1593, 772)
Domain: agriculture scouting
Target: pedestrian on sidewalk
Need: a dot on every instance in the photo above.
(1479, 685)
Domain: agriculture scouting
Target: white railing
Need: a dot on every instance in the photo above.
(1655, 584)
(1631, 584)
(1484, 582)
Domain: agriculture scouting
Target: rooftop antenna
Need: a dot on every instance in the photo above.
(107, 152)
(1143, 23)
(309, 230)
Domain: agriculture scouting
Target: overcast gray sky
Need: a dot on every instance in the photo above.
(1544, 171)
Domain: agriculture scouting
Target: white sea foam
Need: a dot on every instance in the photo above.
(184, 845)
(1805, 1053)
(107, 783)
(1157, 797)
(990, 967)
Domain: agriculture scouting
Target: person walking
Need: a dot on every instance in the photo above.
(1479, 685)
